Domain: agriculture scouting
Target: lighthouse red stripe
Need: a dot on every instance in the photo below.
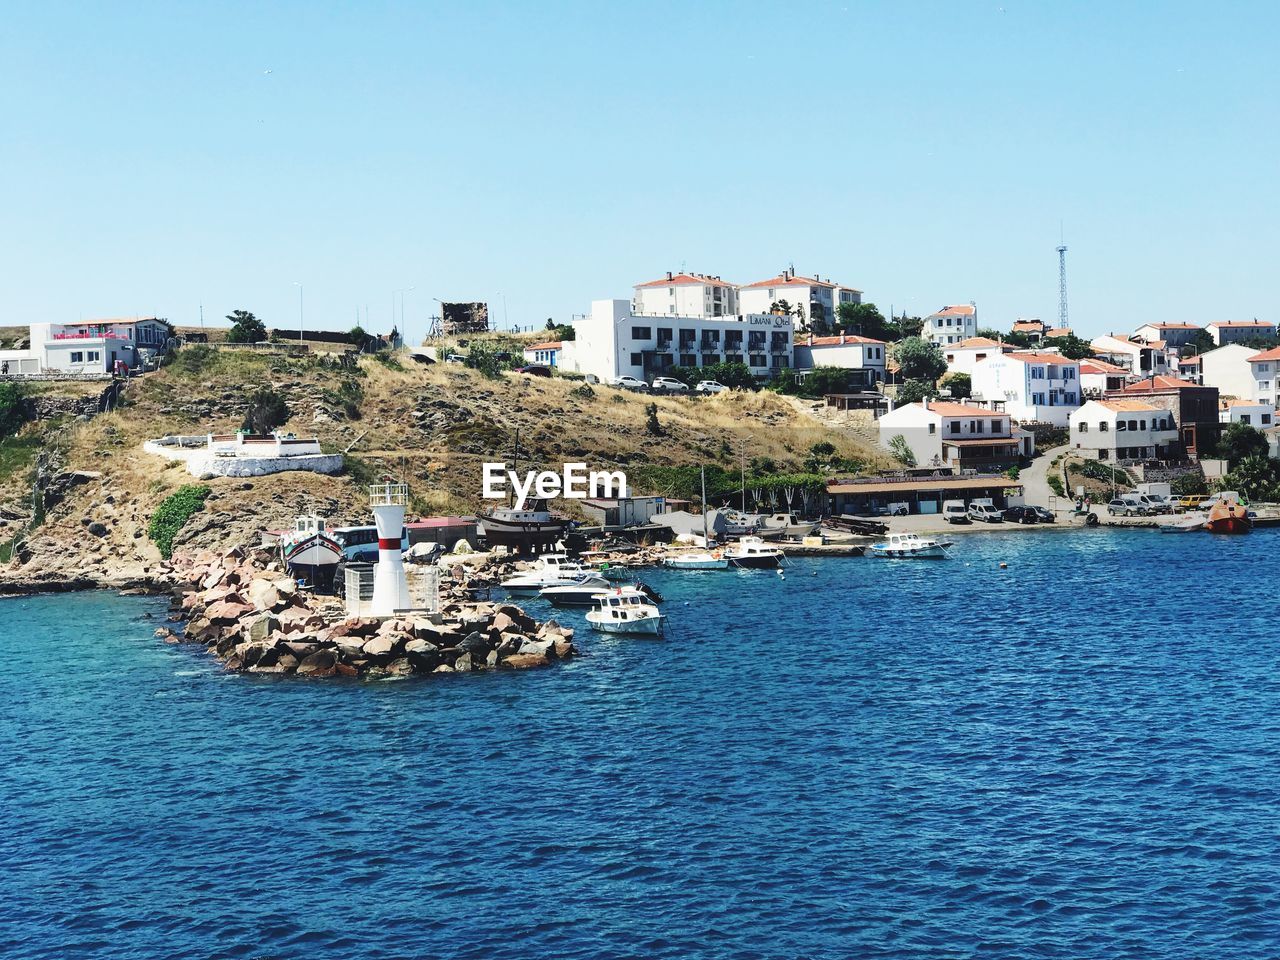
(388, 544)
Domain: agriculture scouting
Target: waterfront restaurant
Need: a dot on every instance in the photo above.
(874, 496)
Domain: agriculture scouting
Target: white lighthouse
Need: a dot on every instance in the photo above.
(390, 590)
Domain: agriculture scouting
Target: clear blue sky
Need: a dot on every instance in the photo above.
(560, 152)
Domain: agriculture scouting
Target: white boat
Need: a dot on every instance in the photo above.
(699, 560)
(579, 593)
(752, 553)
(901, 546)
(625, 610)
(309, 544)
(787, 525)
(1187, 523)
(551, 570)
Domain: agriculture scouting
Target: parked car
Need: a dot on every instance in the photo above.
(953, 511)
(1020, 515)
(669, 385)
(454, 358)
(709, 386)
(984, 512)
(1157, 503)
(1190, 501)
(1126, 508)
(591, 378)
(1044, 515)
(628, 382)
(535, 370)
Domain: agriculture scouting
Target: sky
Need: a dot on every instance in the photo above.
(157, 158)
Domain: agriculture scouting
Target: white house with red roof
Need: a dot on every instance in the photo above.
(956, 435)
(811, 294)
(547, 352)
(1098, 376)
(846, 351)
(1252, 412)
(1140, 358)
(686, 295)
(962, 356)
(1264, 369)
(92, 347)
(1029, 386)
(1233, 331)
(1173, 334)
(951, 324)
(1123, 429)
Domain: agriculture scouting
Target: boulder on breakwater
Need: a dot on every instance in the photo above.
(253, 618)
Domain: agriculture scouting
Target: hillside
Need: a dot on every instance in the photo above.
(432, 425)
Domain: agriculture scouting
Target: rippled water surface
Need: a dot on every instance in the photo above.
(1078, 756)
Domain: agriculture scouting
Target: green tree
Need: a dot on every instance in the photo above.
(1240, 441)
(913, 391)
(651, 423)
(267, 410)
(484, 356)
(960, 385)
(899, 447)
(1070, 346)
(1255, 477)
(899, 328)
(735, 375)
(13, 407)
(1201, 342)
(862, 319)
(920, 360)
(357, 336)
(1019, 340)
(245, 328)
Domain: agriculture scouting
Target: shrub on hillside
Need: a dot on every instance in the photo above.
(13, 408)
(267, 410)
(172, 515)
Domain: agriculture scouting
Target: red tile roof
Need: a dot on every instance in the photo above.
(1241, 323)
(834, 341)
(960, 410)
(1042, 358)
(1100, 366)
(1026, 325)
(1272, 354)
(1173, 326)
(975, 343)
(1128, 406)
(959, 310)
(684, 280)
(790, 280)
(545, 345)
(1054, 332)
(1158, 384)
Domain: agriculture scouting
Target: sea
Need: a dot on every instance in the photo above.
(1051, 745)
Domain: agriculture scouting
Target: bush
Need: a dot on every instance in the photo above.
(267, 410)
(245, 328)
(1013, 472)
(960, 385)
(583, 392)
(172, 515)
(388, 361)
(1189, 484)
(484, 357)
(1055, 484)
(194, 359)
(913, 391)
(899, 448)
(651, 420)
(13, 408)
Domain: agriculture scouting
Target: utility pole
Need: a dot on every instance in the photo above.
(1062, 279)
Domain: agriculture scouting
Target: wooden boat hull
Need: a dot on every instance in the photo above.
(1228, 517)
(316, 550)
(522, 534)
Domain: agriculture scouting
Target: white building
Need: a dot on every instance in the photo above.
(956, 435)
(1140, 359)
(686, 295)
(1228, 368)
(951, 324)
(1043, 387)
(1255, 414)
(1265, 370)
(807, 293)
(845, 351)
(962, 356)
(1233, 331)
(92, 347)
(547, 352)
(612, 341)
(1122, 430)
(1098, 376)
(1173, 334)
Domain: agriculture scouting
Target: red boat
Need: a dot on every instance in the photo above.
(1228, 516)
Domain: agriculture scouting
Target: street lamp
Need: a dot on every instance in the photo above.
(402, 292)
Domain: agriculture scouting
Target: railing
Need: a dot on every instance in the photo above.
(389, 495)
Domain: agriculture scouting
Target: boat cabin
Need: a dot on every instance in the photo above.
(307, 525)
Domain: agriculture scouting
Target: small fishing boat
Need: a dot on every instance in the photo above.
(1228, 516)
(700, 560)
(752, 553)
(579, 593)
(1187, 523)
(308, 545)
(789, 524)
(551, 570)
(906, 546)
(625, 610)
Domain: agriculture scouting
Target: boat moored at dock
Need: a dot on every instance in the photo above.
(625, 610)
(910, 546)
(752, 553)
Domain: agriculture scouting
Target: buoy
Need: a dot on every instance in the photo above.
(1004, 566)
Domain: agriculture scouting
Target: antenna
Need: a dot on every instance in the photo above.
(1062, 279)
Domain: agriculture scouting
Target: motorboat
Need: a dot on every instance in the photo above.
(1187, 523)
(578, 593)
(906, 546)
(698, 560)
(787, 525)
(625, 610)
(752, 553)
(1228, 516)
(522, 529)
(309, 544)
(550, 570)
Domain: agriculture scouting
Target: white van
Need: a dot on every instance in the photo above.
(954, 511)
(985, 512)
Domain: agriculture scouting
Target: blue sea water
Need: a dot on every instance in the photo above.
(1077, 756)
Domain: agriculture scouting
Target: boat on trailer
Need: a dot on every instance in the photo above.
(309, 551)
(910, 546)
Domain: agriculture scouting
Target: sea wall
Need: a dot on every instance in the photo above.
(253, 618)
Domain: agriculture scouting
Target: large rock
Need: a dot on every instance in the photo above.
(383, 645)
(463, 663)
(523, 661)
(420, 647)
(260, 628)
(475, 642)
(322, 663)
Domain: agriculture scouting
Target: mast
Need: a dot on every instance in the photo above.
(705, 542)
(515, 464)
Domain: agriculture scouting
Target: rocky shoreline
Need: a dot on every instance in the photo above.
(251, 616)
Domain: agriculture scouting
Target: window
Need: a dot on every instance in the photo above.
(1264, 384)
(688, 360)
(1068, 373)
(640, 333)
(1082, 427)
(1102, 454)
(637, 360)
(1103, 427)
(77, 356)
(933, 428)
(1264, 368)
(1037, 399)
(1142, 424)
(1069, 399)
(93, 356)
(1244, 418)
(1133, 424)
(758, 360)
(1037, 373)
(1266, 418)
(955, 426)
